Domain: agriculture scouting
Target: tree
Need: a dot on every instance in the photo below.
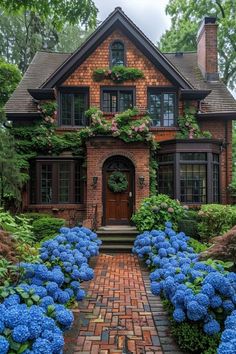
(10, 76)
(11, 176)
(57, 11)
(22, 35)
(186, 16)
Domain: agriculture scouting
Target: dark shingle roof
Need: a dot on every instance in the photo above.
(41, 67)
(220, 99)
(45, 63)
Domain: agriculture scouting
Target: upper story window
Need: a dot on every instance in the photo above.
(73, 105)
(117, 99)
(117, 54)
(162, 107)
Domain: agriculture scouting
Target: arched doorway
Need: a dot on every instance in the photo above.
(118, 207)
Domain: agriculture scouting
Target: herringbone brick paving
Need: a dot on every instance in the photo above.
(119, 314)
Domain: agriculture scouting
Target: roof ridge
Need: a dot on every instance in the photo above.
(51, 52)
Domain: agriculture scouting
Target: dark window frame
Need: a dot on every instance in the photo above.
(117, 89)
(164, 90)
(72, 90)
(110, 52)
(208, 162)
(35, 187)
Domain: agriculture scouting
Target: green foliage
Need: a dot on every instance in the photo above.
(58, 12)
(118, 182)
(18, 226)
(7, 270)
(25, 33)
(198, 246)
(12, 177)
(186, 17)
(189, 127)
(190, 335)
(153, 166)
(155, 211)
(215, 220)
(46, 227)
(10, 77)
(29, 297)
(189, 224)
(232, 187)
(191, 338)
(118, 74)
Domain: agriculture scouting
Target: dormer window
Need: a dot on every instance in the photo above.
(117, 54)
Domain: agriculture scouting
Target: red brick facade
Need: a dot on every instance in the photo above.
(99, 149)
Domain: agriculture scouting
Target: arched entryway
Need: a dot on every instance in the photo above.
(118, 207)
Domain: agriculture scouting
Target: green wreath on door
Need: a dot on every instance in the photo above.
(118, 182)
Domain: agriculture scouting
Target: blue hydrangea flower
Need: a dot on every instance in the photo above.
(212, 327)
(4, 345)
(20, 334)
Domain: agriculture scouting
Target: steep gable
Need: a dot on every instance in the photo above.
(117, 21)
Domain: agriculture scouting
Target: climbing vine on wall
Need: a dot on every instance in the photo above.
(118, 74)
(189, 128)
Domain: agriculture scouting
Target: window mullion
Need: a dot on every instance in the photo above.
(118, 101)
(72, 109)
(56, 182)
(177, 175)
(72, 182)
(209, 178)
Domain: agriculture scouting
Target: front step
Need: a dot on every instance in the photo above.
(115, 238)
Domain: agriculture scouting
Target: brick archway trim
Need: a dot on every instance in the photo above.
(126, 154)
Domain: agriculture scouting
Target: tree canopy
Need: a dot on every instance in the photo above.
(57, 11)
(186, 16)
(10, 76)
(22, 35)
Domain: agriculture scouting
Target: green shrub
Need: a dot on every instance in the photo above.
(191, 338)
(189, 224)
(47, 227)
(156, 210)
(198, 246)
(35, 216)
(215, 220)
(18, 226)
(190, 335)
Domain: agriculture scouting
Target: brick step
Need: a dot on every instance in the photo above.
(117, 239)
(116, 248)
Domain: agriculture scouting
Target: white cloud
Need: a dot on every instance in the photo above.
(148, 15)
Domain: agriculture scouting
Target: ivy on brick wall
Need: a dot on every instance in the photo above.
(118, 74)
(42, 138)
(189, 128)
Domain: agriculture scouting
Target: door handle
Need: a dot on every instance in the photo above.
(130, 195)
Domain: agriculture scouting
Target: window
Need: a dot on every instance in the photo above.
(191, 177)
(72, 108)
(55, 182)
(216, 179)
(117, 100)
(166, 180)
(193, 181)
(162, 108)
(117, 54)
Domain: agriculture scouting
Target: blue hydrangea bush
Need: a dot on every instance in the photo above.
(198, 291)
(46, 288)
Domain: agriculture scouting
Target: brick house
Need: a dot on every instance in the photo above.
(195, 171)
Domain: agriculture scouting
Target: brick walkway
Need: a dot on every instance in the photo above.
(120, 315)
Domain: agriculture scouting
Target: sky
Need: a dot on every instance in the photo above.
(148, 15)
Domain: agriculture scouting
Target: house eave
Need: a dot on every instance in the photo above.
(42, 94)
(194, 94)
(227, 115)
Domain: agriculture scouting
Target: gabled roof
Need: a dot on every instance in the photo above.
(118, 20)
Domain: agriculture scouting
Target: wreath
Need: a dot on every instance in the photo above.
(118, 182)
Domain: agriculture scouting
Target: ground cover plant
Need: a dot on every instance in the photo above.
(34, 312)
(201, 295)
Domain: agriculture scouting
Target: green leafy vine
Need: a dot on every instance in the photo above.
(117, 74)
(189, 128)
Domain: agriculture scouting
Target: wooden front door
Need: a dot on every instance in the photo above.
(118, 207)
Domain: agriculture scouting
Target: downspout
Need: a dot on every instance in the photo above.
(226, 158)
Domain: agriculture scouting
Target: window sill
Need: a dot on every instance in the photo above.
(164, 128)
(78, 127)
(57, 206)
